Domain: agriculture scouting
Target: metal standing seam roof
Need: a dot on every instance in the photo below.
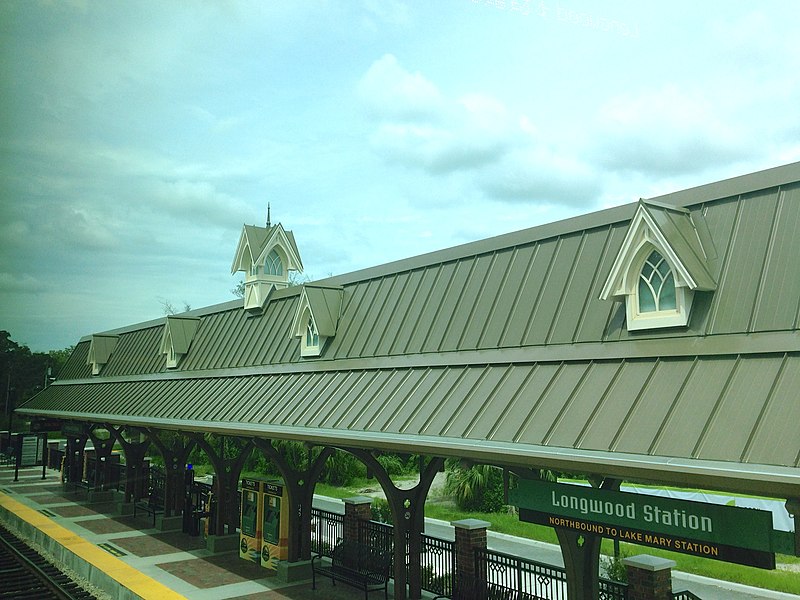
(502, 351)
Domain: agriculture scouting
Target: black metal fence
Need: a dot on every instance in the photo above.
(378, 535)
(438, 564)
(501, 576)
(326, 528)
(437, 556)
(505, 577)
(685, 595)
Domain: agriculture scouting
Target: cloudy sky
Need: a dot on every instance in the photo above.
(137, 137)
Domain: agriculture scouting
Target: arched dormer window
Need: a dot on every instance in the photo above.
(312, 335)
(660, 266)
(273, 264)
(656, 291)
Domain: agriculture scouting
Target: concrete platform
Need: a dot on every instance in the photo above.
(127, 558)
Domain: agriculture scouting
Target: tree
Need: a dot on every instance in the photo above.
(169, 308)
(295, 278)
(24, 373)
(477, 488)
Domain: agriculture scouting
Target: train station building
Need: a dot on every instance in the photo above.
(655, 342)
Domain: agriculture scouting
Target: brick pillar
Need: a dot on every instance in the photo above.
(356, 509)
(470, 535)
(649, 578)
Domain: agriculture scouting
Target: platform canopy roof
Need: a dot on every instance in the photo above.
(502, 351)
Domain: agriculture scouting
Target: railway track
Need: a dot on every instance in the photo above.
(25, 574)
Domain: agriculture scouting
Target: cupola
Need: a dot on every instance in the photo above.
(266, 255)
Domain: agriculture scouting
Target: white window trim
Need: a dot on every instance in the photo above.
(637, 321)
(307, 349)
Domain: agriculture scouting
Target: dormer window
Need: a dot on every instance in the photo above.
(177, 338)
(316, 317)
(656, 285)
(274, 264)
(660, 266)
(100, 350)
(311, 345)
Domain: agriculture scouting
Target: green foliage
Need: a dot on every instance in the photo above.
(342, 468)
(395, 465)
(477, 488)
(24, 373)
(614, 568)
(381, 511)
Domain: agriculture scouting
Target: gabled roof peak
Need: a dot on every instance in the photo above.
(672, 231)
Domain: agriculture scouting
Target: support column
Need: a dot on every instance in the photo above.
(175, 450)
(300, 484)
(135, 451)
(649, 577)
(470, 536)
(226, 480)
(408, 519)
(581, 553)
(73, 465)
(356, 509)
(102, 453)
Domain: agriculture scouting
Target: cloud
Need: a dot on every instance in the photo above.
(474, 134)
(542, 176)
(13, 283)
(390, 91)
(667, 131)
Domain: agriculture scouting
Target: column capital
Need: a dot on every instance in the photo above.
(358, 500)
(470, 524)
(646, 562)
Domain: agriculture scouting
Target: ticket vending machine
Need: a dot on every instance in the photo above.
(275, 524)
(250, 536)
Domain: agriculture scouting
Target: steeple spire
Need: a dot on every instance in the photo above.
(268, 219)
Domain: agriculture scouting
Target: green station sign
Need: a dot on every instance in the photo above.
(728, 533)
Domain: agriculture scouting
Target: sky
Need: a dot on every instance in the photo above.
(137, 137)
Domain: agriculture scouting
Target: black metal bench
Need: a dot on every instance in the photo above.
(358, 565)
(154, 505)
(79, 485)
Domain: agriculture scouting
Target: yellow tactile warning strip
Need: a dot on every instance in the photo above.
(124, 574)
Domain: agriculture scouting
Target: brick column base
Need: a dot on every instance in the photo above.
(356, 509)
(649, 578)
(470, 535)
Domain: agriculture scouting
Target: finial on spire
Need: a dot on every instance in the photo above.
(268, 220)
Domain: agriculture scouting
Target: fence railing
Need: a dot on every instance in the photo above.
(504, 576)
(326, 528)
(685, 595)
(378, 535)
(613, 590)
(438, 565)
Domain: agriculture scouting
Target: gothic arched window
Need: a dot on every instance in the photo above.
(273, 264)
(656, 285)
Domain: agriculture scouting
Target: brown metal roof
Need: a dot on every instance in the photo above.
(685, 407)
(502, 349)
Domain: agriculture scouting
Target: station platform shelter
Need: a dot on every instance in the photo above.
(656, 342)
(123, 557)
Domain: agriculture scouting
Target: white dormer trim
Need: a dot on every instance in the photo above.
(177, 338)
(670, 232)
(100, 349)
(316, 318)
